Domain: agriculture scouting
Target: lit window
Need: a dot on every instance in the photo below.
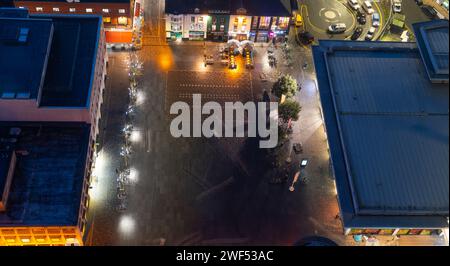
(122, 11)
(56, 9)
(122, 20)
(39, 9)
(88, 10)
(106, 19)
(105, 10)
(72, 9)
(21, 7)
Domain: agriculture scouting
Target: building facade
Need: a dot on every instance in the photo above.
(117, 15)
(248, 20)
(62, 91)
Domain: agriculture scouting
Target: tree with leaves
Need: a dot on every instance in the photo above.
(289, 110)
(286, 85)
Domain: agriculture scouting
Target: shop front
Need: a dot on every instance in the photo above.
(196, 35)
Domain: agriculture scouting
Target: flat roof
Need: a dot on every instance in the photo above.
(19, 78)
(47, 184)
(387, 127)
(432, 39)
(71, 61)
(253, 7)
(63, 49)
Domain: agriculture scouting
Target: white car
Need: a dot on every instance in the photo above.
(354, 4)
(375, 20)
(368, 7)
(370, 34)
(397, 6)
(337, 28)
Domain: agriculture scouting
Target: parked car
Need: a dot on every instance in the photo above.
(419, 2)
(337, 28)
(370, 34)
(375, 20)
(354, 4)
(306, 37)
(429, 11)
(368, 7)
(397, 6)
(356, 34)
(362, 19)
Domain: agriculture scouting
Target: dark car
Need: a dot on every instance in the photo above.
(419, 2)
(362, 19)
(357, 33)
(306, 37)
(429, 11)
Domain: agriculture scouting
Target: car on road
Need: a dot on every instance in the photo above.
(375, 20)
(367, 5)
(354, 4)
(362, 19)
(337, 28)
(419, 2)
(357, 33)
(361, 16)
(429, 11)
(298, 21)
(397, 6)
(370, 34)
(306, 37)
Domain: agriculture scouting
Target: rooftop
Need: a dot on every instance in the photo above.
(432, 39)
(253, 7)
(47, 184)
(387, 127)
(63, 51)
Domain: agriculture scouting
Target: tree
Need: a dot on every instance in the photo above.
(289, 110)
(286, 85)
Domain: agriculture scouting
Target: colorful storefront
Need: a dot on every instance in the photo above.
(265, 29)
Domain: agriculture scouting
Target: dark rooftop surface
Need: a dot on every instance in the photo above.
(18, 77)
(71, 60)
(47, 184)
(432, 39)
(62, 49)
(388, 132)
(253, 7)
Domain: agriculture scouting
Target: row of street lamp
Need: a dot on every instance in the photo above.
(126, 175)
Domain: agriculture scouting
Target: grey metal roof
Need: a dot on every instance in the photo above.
(388, 131)
(432, 39)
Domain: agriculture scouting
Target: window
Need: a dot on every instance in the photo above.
(106, 19)
(264, 22)
(105, 10)
(122, 20)
(192, 19)
(72, 9)
(56, 9)
(39, 9)
(88, 10)
(122, 11)
(21, 7)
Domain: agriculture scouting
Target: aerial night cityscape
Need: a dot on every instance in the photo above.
(231, 123)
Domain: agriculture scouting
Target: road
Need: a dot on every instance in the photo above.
(318, 15)
(413, 13)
